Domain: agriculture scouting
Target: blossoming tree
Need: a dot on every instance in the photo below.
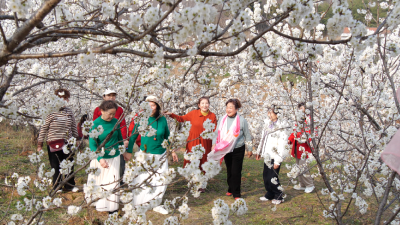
(181, 50)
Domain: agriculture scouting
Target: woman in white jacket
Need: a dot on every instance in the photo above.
(272, 148)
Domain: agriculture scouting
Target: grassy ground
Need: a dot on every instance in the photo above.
(298, 208)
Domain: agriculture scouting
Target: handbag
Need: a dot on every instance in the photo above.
(56, 145)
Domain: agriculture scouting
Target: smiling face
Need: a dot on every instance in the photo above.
(272, 116)
(111, 97)
(108, 115)
(231, 109)
(204, 105)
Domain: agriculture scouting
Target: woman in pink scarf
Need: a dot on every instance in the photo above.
(232, 135)
(391, 154)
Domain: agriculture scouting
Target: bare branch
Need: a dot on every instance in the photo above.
(331, 42)
(3, 35)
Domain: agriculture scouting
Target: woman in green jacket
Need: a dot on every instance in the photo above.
(108, 160)
(150, 147)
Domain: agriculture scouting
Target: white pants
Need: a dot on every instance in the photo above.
(145, 196)
(107, 176)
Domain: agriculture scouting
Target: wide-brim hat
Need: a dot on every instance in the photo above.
(154, 99)
(109, 91)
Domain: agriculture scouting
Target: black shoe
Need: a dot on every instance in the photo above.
(112, 212)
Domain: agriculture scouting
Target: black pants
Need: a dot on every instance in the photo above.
(121, 168)
(234, 163)
(55, 159)
(272, 189)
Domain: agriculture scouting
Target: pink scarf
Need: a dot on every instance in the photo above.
(226, 138)
(391, 154)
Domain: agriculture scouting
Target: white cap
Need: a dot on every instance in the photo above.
(109, 91)
(154, 99)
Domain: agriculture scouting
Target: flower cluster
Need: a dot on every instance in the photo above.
(239, 207)
(220, 213)
(86, 127)
(86, 59)
(96, 132)
(208, 132)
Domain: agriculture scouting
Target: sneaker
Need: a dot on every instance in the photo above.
(228, 194)
(160, 209)
(75, 189)
(264, 199)
(309, 189)
(299, 187)
(277, 202)
(237, 198)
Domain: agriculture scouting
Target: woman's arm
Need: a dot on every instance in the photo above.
(73, 126)
(281, 148)
(183, 118)
(247, 135)
(248, 138)
(44, 130)
(132, 139)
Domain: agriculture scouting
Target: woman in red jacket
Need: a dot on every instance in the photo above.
(197, 118)
(299, 148)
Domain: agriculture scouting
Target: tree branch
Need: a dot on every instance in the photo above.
(6, 85)
(26, 28)
(384, 199)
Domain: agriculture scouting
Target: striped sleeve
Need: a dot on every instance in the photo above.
(73, 125)
(44, 129)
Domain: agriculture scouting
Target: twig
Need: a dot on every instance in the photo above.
(3, 35)
(16, 20)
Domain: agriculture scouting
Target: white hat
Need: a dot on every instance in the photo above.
(154, 99)
(109, 91)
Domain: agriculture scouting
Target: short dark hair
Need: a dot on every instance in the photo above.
(109, 104)
(235, 102)
(301, 104)
(203, 98)
(66, 94)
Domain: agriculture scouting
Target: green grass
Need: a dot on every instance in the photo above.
(298, 208)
